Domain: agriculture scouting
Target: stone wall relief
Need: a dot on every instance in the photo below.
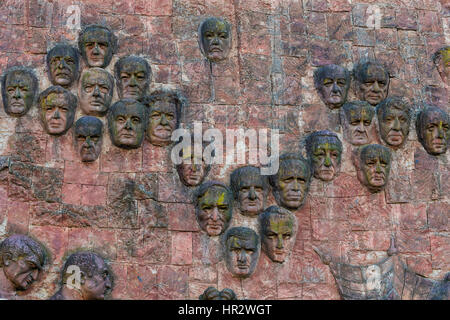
(332, 83)
(20, 89)
(95, 91)
(214, 38)
(371, 82)
(88, 138)
(432, 127)
(394, 118)
(373, 164)
(97, 44)
(357, 119)
(63, 62)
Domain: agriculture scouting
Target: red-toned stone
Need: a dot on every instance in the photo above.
(119, 272)
(93, 195)
(133, 25)
(131, 45)
(372, 240)
(155, 246)
(438, 216)
(156, 159)
(261, 284)
(55, 239)
(142, 282)
(424, 184)
(317, 24)
(330, 230)
(440, 253)
(152, 214)
(420, 265)
(345, 185)
(172, 190)
(255, 37)
(173, 282)
(181, 248)
(339, 5)
(27, 147)
(429, 22)
(206, 250)
(413, 216)
(406, 19)
(71, 193)
(120, 160)
(160, 50)
(317, 291)
(386, 38)
(413, 241)
(226, 280)
(18, 217)
(153, 7)
(100, 240)
(364, 37)
(226, 90)
(169, 74)
(205, 274)
(181, 217)
(339, 26)
(86, 173)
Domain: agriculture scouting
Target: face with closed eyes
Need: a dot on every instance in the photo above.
(19, 91)
(358, 123)
(23, 271)
(56, 113)
(333, 85)
(276, 238)
(215, 39)
(433, 131)
(242, 254)
(292, 183)
(326, 158)
(127, 124)
(88, 138)
(373, 87)
(162, 122)
(214, 211)
(134, 78)
(95, 92)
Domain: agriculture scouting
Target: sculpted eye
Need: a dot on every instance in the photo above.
(170, 116)
(104, 89)
(124, 76)
(11, 90)
(341, 83)
(367, 123)
(135, 120)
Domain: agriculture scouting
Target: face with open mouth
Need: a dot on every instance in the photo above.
(433, 130)
(20, 91)
(332, 83)
(95, 91)
(277, 229)
(372, 83)
(215, 39)
(162, 122)
(374, 166)
(242, 251)
(214, 210)
(394, 121)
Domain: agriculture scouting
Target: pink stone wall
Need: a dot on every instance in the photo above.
(152, 240)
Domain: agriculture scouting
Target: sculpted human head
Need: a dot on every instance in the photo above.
(373, 163)
(324, 151)
(96, 280)
(193, 169)
(127, 122)
(212, 293)
(19, 90)
(97, 45)
(22, 260)
(432, 126)
(57, 109)
(63, 63)
(441, 59)
(215, 39)
(88, 136)
(371, 82)
(242, 247)
(358, 122)
(213, 207)
(95, 91)
(393, 120)
(290, 184)
(277, 231)
(332, 83)
(133, 76)
(164, 116)
(249, 189)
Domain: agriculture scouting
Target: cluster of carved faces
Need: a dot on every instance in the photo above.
(22, 260)
(94, 278)
(373, 163)
(277, 231)
(215, 39)
(242, 248)
(324, 151)
(213, 207)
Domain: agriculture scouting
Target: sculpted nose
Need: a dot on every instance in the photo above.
(242, 256)
(96, 92)
(252, 194)
(96, 50)
(280, 244)
(17, 94)
(378, 168)
(376, 87)
(215, 41)
(164, 121)
(215, 214)
(128, 125)
(327, 161)
(56, 115)
(440, 133)
(133, 82)
(335, 88)
(396, 125)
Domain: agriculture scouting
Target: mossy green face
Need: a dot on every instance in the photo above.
(394, 124)
(63, 66)
(293, 183)
(278, 230)
(127, 123)
(242, 254)
(134, 78)
(214, 211)
(375, 164)
(359, 124)
(326, 159)
(215, 39)
(57, 115)
(19, 92)
(95, 91)
(433, 131)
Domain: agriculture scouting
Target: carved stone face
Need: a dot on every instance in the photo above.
(97, 46)
(358, 124)
(277, 233)
(19, 91)
(325, 152)
(332, 83)
(22, 259)
(291, 183)
(250, 190)
(133, 77)
(214, 210)
(372, 83)
(97, 285)
(57, 110)
(127, 122)
(433, 130)
(95, 91)
(215, 39)
(193, 173)
(88, 138)
(373, 166)
(213, 294)
(242, 250)
(162, 122)
(63, 62)
(394, 121)
(442, 61)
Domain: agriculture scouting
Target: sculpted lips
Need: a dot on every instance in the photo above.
(55, 123)
(293, 196)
